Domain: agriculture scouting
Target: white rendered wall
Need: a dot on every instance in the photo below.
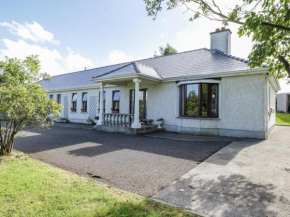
(78, 116)
(241, 106)
(271, 103)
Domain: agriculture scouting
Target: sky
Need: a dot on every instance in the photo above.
(69, 35)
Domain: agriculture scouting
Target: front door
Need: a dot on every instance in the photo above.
(142, 103)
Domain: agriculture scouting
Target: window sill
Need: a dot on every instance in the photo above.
(200, 118)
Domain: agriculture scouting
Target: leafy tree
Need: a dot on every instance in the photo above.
(164, 51)
(192, 104)
(267, 22)
(23, 102)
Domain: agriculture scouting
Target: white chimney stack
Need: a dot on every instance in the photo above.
(221, 40)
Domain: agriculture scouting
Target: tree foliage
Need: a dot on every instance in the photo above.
(164, 51)
(267, 22)
(23, 102)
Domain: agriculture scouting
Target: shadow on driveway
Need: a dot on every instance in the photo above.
(141, 165)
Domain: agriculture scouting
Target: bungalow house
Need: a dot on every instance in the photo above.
(283, 96)
(201, 92)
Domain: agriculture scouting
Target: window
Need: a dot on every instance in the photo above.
(199, 100)
(104, 101)
(116, 101)
(84, 102)
(74, 102)
(59, 98)
(142, 103)
(50, 96)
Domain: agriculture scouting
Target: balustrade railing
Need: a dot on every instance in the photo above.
(122, 120)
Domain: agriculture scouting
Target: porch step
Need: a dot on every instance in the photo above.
(148, 130)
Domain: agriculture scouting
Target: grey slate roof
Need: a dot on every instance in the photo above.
(131, 68)
(196, 62)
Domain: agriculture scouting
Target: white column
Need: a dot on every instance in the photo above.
(136, 123)
(100, 121)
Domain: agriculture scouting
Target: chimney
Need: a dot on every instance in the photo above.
(221, 40)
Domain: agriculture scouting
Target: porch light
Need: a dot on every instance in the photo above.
(213, 96)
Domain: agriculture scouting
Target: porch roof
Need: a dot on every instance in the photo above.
(134, 69)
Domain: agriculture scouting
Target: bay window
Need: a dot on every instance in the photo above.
(199, 100)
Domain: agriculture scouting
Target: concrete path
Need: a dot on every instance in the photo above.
(246, 178)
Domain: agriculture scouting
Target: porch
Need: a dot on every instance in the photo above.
(125, 89)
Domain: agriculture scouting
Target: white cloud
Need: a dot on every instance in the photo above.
(76, 62)
(117, 56)
(199, 37)
(52, 61)
(32, 31)
(163, 35)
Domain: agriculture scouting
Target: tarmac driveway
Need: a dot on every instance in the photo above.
(142, 165)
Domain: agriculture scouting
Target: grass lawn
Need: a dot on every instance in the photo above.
(31, 188)
(282, 119)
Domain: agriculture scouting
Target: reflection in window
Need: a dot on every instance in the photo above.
(116, 101)
(192, 100)
(199, 100)
(74, 101)
(84, 102)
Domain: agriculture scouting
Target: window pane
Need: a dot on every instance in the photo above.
(214, 100)
(116, 105)
(84, 96)
(58, 98)
(182, 100)
(192, 100)
(74, 99)
(204, 98)
(116, 96)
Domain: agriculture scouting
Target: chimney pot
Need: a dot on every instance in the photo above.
(223, 28)
(217, 30)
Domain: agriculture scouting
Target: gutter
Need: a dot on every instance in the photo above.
(221, 74)
(274, 82)
(179, 78)
(120, 77)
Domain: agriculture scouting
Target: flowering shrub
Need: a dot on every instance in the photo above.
(271, 110)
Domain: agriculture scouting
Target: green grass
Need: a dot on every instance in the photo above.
(282, 119)
(31, 188)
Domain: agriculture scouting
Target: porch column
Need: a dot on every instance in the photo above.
(100, 121)
(136, 123)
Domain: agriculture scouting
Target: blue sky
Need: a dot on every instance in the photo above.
(69, 35)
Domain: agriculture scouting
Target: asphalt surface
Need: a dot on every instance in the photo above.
(141, 165)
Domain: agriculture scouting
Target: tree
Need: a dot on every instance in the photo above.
(267, 22)
(23, 102)
(164, 51)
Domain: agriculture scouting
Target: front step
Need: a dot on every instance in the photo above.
(148, 129)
